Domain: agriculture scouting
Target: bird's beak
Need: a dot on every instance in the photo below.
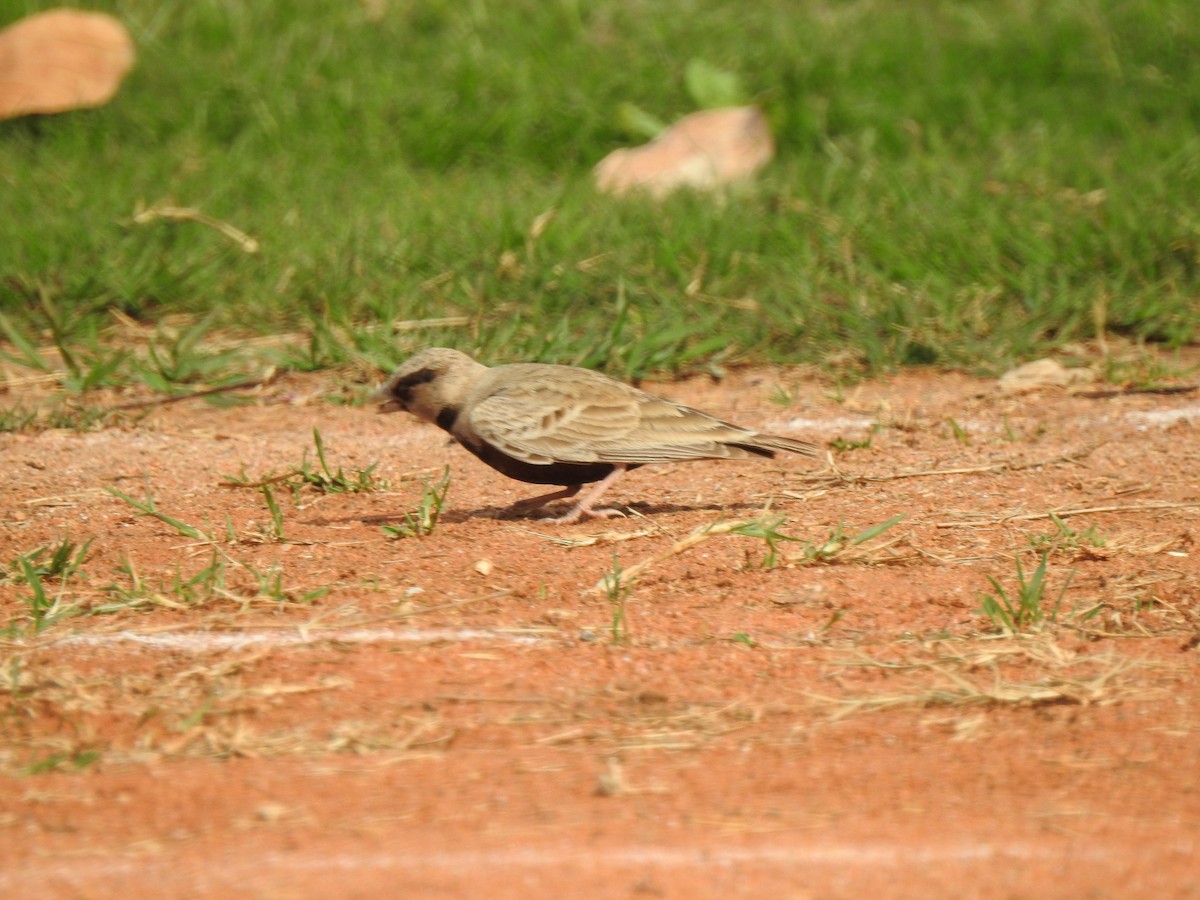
(387, 403)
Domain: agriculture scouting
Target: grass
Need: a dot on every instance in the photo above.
(221, 579)
(766, 529)
(830, 549)
(322, 479)
(1028, 671)
(277, 527)
(42, 609)
(837, 545)
(616, 591)
(50, 563)
(328, 481)
(21, 418)
(422, 520)
(148, 507)
(1065, 537)
(61, 561)
(270, 584)
(1023, 609)
(956, 184)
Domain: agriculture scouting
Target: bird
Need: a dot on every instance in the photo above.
(563, 425)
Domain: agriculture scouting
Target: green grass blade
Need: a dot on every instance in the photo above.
(147, 508)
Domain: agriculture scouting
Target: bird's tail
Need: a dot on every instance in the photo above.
(773, 442)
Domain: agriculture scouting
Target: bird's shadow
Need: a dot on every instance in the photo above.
(507, 514)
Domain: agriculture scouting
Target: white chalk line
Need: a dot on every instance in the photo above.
(238, 640)
(602, 859)
(677, 857)
(1152, 418)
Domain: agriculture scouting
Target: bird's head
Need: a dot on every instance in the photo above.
(429, 384)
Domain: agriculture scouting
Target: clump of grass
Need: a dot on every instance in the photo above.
(423, 519)
(1065, 537)
(1142, 368)
(766, 529)
(64, 560)
(616, 589)
(60, 563)
(842, 445)
(1023, 609)
(136, 593)
(94, 368)
(71, 416)
(17, 419)
(43, 611)
(184, 357)
(782, 396)
(83, 372)
(26, 354)
(323, 478)
(73, 761)
(960, 434)
(270, 585)
(845, 445)
(216, 581)
(275, 511)
(147, 507)
(204, 586)
(837, 543)
(831, 548)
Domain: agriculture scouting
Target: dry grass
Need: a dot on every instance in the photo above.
(220, 707)
(1023, 670)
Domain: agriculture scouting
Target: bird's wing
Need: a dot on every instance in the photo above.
(586, 420)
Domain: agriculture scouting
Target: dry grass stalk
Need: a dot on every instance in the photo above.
(838, 477)
(589, 540)
(632, 573)
(1107, 679)
(188, 214)
(1067, 512)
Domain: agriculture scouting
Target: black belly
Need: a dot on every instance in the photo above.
(565, 474)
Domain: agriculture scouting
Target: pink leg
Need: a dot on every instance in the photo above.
(583, 506)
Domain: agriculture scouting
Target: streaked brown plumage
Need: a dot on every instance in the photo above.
(563, 425)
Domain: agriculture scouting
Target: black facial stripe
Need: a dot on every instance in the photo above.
(408, 382)
(403, 388)
(447, 417)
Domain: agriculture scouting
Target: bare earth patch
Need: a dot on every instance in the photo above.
(492, 708)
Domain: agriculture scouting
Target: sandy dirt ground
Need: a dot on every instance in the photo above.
(296, 704)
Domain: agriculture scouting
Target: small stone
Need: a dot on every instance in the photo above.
(705, 150)
(1043, 373)
(611, 782)
(61, 60)
(270, 812)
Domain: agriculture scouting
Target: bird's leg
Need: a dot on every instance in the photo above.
(540, 501)
(583, 506)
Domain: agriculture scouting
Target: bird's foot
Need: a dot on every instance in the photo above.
(576, 514)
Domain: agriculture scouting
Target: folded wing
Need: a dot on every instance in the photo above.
(544, 420)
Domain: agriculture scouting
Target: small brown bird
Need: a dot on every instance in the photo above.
(563, 425)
